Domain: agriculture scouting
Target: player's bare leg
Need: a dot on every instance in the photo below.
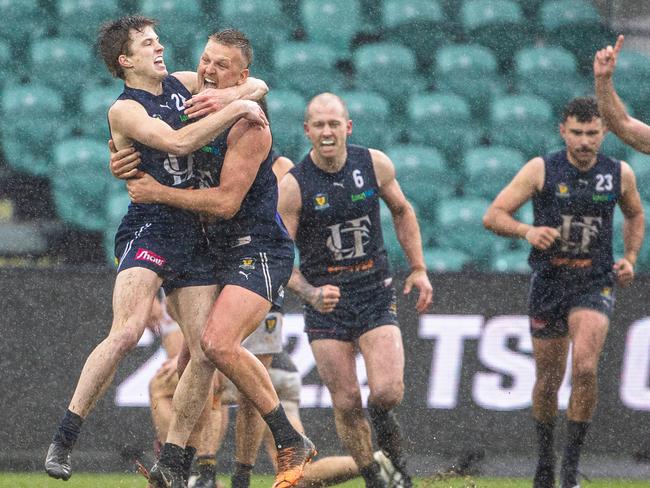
(191, 307)
(588, 331)
(336, 365)
(133, 294)
(235, 315)
(383, 353)
(550, 365)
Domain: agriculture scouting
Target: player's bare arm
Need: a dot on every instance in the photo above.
(322, 298)
(499, 216)
(633, 226)
(130, 122)
(406, 228)
(632, 131)
(248, 146)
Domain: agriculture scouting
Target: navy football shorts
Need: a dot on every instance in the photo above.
(359, 310)
(551, 299)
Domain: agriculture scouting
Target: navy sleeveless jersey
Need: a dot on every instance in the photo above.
(580, 205)
(168, 169)
(257, 216)
(339, 234)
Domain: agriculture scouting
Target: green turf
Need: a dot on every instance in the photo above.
(88, 480)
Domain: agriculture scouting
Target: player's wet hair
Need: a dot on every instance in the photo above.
(115, 39)
(584, 109)
(235, 38)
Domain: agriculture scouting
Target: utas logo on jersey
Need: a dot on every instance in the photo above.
(270, 323)
(321, 202)
(247, 263)
(358, 230)
(146, 255)
(562, 190)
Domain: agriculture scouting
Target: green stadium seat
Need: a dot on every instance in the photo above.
(489, 169)
(524, 122)
(420, 24)
(631, 80)
(551, 73)
(423, 174)
(306, 67)
(442, 120)
(530, 8)
(332, 22)
(33, 117)
(497, 24)
(460, 226)
(510, 261)
(95, 103)
(264, 23)
(469, 70)
(21, 20)
(392, 245)
(116, 207)
(286, 115)
(83, 18)
(81, 182)
(575, 25)
(49, 55)
(370, 114)
(444, 260)
(7, 73)
(640, 163)
(614, 147)
(388, 69)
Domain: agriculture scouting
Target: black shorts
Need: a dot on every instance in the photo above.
(552, 298)
(178, 254)
(358, 311)
(261, 266)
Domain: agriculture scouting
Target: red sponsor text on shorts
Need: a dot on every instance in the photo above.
(146, 255)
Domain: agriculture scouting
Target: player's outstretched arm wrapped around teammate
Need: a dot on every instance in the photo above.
(632, 131)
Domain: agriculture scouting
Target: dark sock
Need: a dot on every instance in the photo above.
(371, 475)
(576, 432)
(545, 443)
(68, 430)
(188, 457)
(283, 432)
(389, 434)
(242, 476)
(173, 456)
(207, 466)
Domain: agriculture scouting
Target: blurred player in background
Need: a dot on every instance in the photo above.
(574, 194)
(627, 128)
(156, 244)
(330, 204)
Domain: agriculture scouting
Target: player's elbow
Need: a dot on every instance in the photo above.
(488, 219)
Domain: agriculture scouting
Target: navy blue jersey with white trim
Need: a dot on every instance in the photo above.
(580, 205)
(339, 234)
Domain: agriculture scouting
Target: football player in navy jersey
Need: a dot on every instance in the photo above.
(574, 193)
(157, 245)
(330, 204)
(630, 130)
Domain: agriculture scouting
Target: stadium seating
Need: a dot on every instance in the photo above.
(306, 67)
(423, 175)
(442, 120)
(441, 260)
(631, 80)
(331, 22)
(469, 70)
(488, 169)
(93, 12)
(393, 248)
(286, 115)
(116, 207)
(50, 54)
(370, 114)
(614, 147)
(95, 102)
(551, 73)
(510, 261)
(575, 25)
(524, 122)
(497, 24)
(388, 69)
(33, 117)
(640, 163)
(420, 24)
(16, 15)
(5, 59)
(81, 182)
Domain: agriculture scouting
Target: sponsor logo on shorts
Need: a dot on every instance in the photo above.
(538, 324)
(270, 323)
(281, 291)
(247, 263)
(321, 202)
(146, 255)
(562, 190)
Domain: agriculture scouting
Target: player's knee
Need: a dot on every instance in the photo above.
(387, 395)
(217, 352)
(124, 341)
(584, 372)
(548, 384)
(347, 403)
